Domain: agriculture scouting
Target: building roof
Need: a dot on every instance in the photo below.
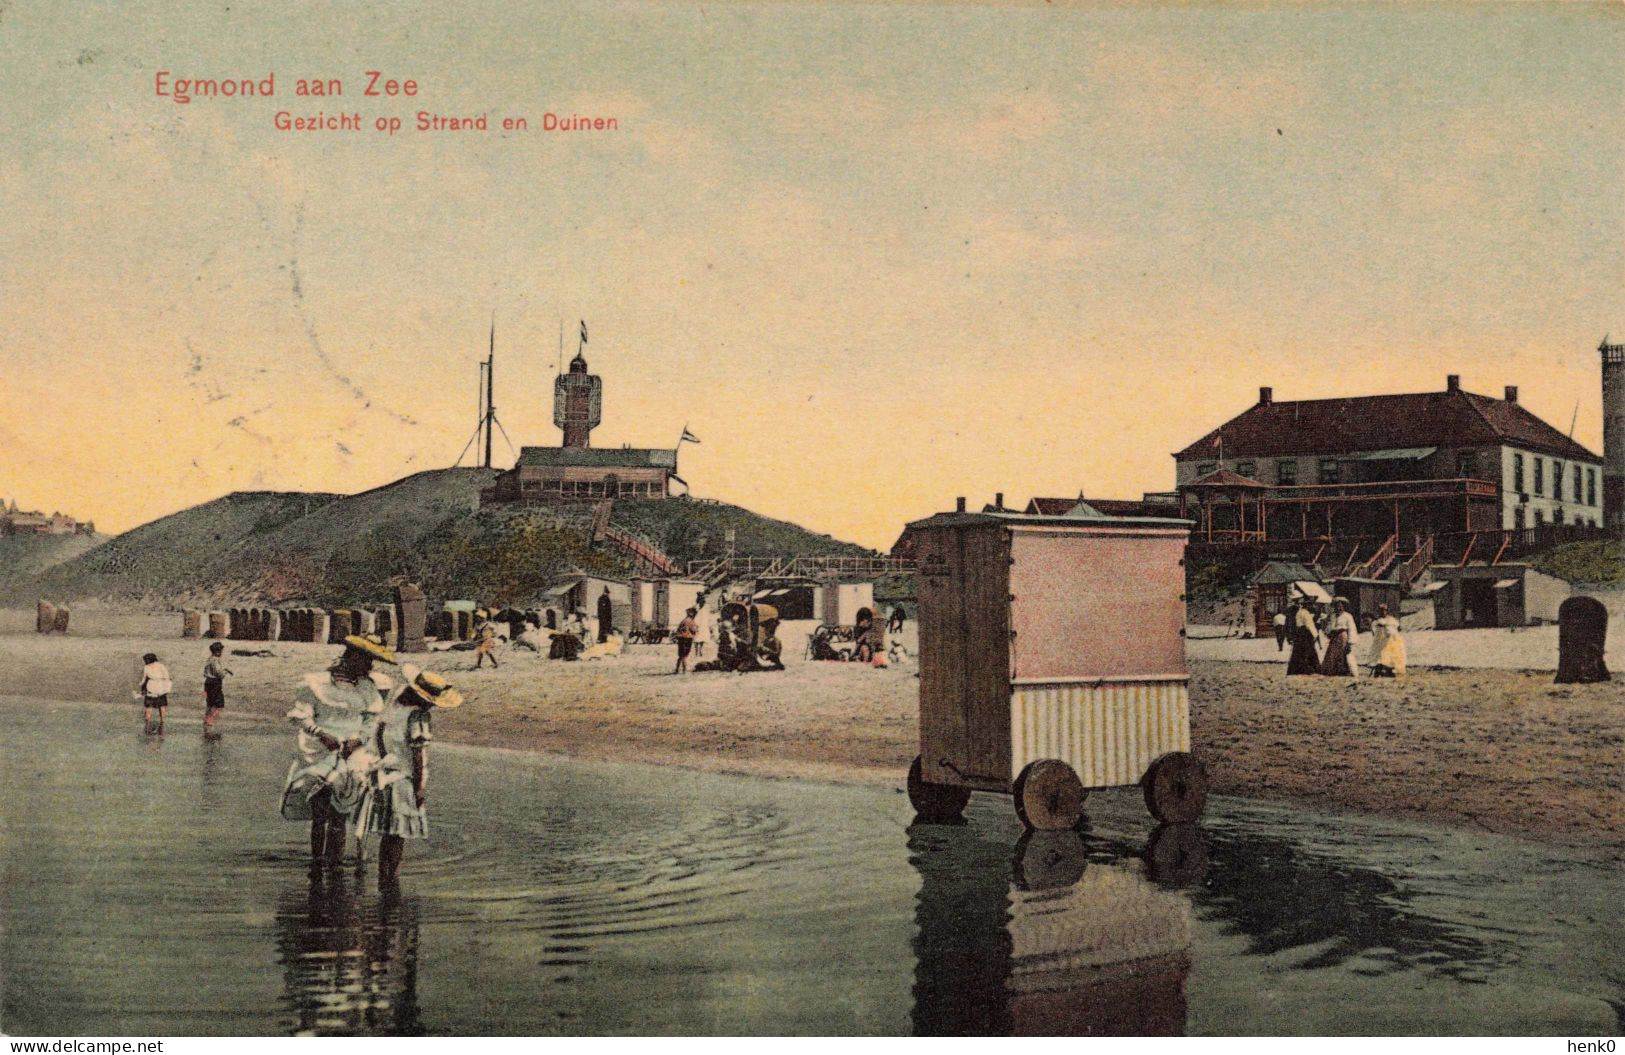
(1224, 478)
(598, 457)
(1051, 507)
(1281, 571)
(1371, 423)
(1110, 507)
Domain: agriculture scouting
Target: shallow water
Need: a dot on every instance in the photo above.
(150, 888)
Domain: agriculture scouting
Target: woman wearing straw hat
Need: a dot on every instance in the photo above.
(397, 810)
(336, 712)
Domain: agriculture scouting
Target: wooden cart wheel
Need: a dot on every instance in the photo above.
(1049, 860)
(1176, 855)
(1175, 788)
(1049, 796)
(934, 803)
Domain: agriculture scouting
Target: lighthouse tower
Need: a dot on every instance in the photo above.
(578, 402)
(1613, 437)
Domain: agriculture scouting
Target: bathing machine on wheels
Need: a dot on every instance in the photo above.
(1052, 662)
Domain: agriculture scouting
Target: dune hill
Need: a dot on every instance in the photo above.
(326, 549)
(23, 558)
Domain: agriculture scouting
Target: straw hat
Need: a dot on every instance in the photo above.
(432, 687)
(372, 645)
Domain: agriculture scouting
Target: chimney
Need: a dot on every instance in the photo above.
(959, 504)
(1452, 383)
(998, 500)
(1512, 393)
(1266, 396)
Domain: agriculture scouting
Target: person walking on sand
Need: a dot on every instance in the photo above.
(1303, 659)
(686, 632)
(335, 712)
(154, 691)
(487, 647)
(397, 802)
(896, 622)
(1387, 655)
(1341, 632)
(1279, 623)
(704, 626)
(214, 687)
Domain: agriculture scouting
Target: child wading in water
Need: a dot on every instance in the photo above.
(336, 712)
(214, 687)
(154, 690)
(397, 810)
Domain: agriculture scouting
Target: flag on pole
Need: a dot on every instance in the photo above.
(583, 331)
(688, 437)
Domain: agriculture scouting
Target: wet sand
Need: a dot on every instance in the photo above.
(1501, 750)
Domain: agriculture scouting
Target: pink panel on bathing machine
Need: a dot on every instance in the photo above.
(1090, 603)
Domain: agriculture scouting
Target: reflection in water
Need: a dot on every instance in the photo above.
(1283, 896)
(1049, 942)
(349, 966)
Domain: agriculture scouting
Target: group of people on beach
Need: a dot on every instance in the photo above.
(569, 636)
(1324, 640)
(361, 746)
(156, 685)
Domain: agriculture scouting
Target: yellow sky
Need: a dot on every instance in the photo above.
(874, 256)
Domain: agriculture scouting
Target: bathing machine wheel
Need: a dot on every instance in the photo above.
(1049, 796)
(934, 803)
(1175, 788)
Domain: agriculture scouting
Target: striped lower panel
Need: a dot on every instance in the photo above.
(1108, 732)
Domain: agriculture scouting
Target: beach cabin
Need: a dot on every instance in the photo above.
(643, 605)
(1052, 660)
(1276, 587)
(843, 600)
(673, 599)
(1491, 595)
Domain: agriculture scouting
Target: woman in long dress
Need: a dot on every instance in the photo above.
(397, 809)
(336, 712)
(1341, 632)
(1304, 633)
(1386, 657)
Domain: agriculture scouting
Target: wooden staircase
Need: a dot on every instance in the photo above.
(646, 558)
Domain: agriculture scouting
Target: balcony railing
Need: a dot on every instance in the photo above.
(1382, 490)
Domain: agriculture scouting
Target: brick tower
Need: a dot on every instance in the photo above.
(578, 402)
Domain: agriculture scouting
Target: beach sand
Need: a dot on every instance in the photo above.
(1502, 750)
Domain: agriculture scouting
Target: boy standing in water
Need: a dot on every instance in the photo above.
(154, 691)
(214, 687)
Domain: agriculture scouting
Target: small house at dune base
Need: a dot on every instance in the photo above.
(581, 593)
(1277, 585)
(1490, 595)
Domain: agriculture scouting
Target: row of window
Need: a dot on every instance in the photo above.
(1286, 475)
(1286, 471)
(1520, 520)
(590, 488)
(1583, 475)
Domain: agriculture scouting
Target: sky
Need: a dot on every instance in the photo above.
(875, 256)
